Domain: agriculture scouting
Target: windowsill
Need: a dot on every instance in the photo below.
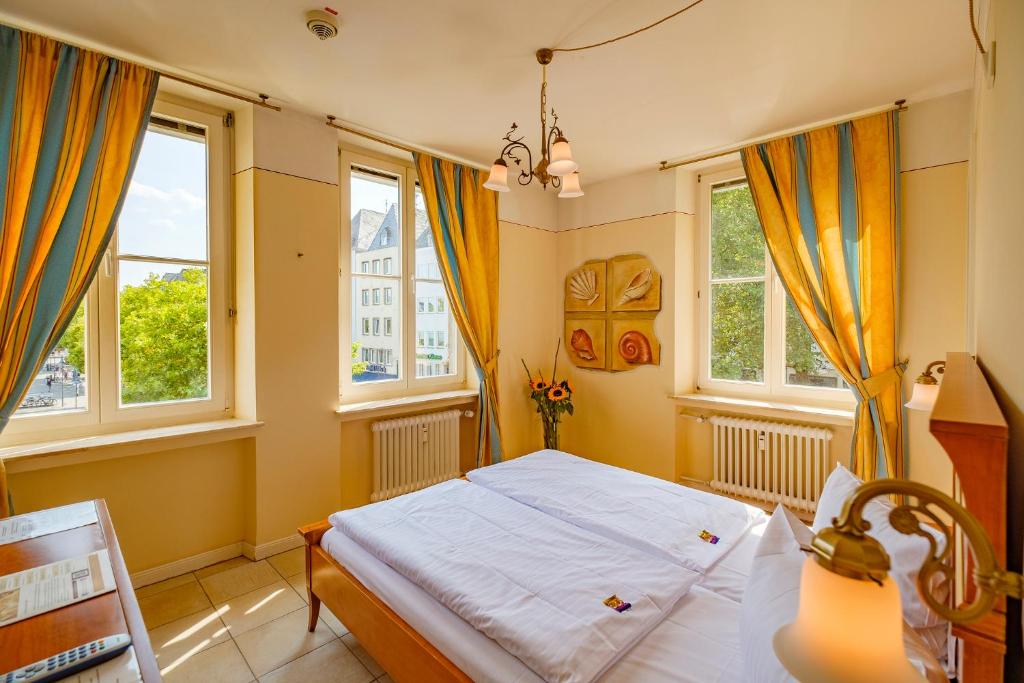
(349, 412)
(72, 451)
(842, 417)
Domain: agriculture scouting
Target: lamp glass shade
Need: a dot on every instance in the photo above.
(561, 163)
(923, 397)
(498, 179)
(846, 631)
(571, 187)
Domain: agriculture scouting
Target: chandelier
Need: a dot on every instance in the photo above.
(556, 166)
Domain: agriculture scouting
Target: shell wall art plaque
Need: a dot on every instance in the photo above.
(610, 308)
(587, 347)
(585, 288)
(634, 344)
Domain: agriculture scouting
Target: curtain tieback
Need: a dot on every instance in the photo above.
(490, 366)
(868, 388)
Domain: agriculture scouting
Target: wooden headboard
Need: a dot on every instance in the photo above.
(967, 422)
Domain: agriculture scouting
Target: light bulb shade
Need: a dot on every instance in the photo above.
(846, 631)
(923, 397)
(571, 186)
(498, 179)
(561, 163)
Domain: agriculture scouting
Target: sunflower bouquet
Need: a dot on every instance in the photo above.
(553, 399)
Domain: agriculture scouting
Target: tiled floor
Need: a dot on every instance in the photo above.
(241, 621)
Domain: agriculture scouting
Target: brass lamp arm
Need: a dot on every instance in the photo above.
(845, 549)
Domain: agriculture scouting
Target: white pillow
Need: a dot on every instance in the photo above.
(906, 553)
(772, 600)
(772, 595)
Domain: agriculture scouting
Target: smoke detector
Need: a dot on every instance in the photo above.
(322, 23)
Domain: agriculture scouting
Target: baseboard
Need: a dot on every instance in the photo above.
(185, 565)
(259, 552)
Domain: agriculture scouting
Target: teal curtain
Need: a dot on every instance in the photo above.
(71, 126)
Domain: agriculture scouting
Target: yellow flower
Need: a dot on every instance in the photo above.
(557, 393)
(567, 385)
(539, 385)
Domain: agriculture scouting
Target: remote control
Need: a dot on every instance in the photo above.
(64, 664)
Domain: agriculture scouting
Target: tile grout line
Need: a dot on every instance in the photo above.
(231, 636)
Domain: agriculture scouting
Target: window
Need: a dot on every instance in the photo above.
(150, 337)
(440, 305)
(366, 326)
(365, 267)
(752, 338)
(441, 338)
(380, 195)
(366, 297)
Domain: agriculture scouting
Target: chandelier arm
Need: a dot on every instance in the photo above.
(506, 151)
(991, 581)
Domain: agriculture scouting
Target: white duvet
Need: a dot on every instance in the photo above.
(650, 514)
(531, 582)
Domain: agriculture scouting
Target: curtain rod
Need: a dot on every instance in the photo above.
(61, 37)
(332, 121)
(899, 105)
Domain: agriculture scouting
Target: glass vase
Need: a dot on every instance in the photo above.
(550, 433)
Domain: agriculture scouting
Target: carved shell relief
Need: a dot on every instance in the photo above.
(582, 345)
(635, 348)
(637, 287)
(583, 286)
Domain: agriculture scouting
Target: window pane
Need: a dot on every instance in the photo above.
(737, 331)
(372, 338)
(375, 240)
(59, 386)
(164, 311)
(433, 327)
(737, 243)
(806, 365)
(164, 212)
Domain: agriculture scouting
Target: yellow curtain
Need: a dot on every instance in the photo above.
(71, 126)
(464, 222)
(828, 201)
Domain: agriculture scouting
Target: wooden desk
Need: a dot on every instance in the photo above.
(46, 634)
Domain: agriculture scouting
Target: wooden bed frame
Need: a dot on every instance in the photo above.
(966, 421)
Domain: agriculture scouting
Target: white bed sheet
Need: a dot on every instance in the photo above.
(698, 642)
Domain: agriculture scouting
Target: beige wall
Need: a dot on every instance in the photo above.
(998, 275)
(527, 329)
(165, 505)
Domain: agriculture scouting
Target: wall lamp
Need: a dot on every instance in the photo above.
(849, 623)
(926, 387)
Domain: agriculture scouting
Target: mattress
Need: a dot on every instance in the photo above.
(698, 641)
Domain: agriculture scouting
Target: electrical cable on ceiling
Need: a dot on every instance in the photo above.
(974, 28)
(630, 34)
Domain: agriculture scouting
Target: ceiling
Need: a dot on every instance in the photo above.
(451, 75)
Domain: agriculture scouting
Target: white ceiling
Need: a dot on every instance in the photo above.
(452, 74)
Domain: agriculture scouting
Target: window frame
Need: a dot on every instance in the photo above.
(407, 383)
(775, 299)
(104, 413)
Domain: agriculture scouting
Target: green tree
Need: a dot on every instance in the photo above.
(164, 338)
(73, 340)
(737, 309)
(358, 367)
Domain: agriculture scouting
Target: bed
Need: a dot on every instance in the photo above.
(416, 638)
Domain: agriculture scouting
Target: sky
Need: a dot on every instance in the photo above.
(164, 213)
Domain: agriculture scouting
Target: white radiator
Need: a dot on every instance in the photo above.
(772, 462)
(411, 453)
